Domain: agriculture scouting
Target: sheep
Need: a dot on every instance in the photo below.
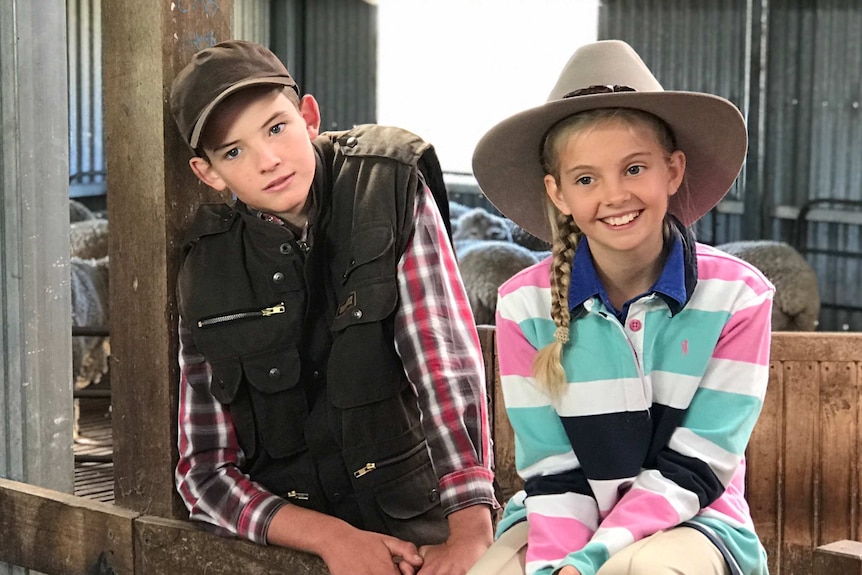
(89, 239)
(89, 283)
(484, 266)
(796, 306)
(524, 238)
(89, 286)
(78, 212)
(480, 224)
(456, 210)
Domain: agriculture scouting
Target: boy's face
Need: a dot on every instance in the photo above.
(260, 149)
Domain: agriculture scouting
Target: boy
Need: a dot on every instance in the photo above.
(332, 396)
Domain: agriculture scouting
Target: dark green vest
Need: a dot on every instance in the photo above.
(301, 341)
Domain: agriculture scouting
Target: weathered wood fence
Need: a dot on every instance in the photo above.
(803, 487)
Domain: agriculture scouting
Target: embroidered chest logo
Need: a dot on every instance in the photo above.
(685, 347)
(349, 303)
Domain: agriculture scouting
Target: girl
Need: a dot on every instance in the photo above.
(633, 360)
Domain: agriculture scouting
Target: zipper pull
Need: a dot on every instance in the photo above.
(295, 495)
(369, 467)
(268, 311)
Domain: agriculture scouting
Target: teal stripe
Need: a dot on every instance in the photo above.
(724, 418)
(681, 344)
(539, 434)
(538, 331)
(597, 348)
(743, 544)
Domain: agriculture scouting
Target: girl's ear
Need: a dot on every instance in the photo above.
(676, 171)
(310, 112)
(556, 195)
(207, 174)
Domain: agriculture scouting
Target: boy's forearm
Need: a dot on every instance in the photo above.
(472, 522)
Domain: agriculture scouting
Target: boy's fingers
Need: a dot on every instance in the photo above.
(403, 552)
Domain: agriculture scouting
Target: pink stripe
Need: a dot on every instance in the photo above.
(518, 359)
(538, 275)
(715, 264)
(746, 336)
(552, 538)
(732, 502)
(642, 513)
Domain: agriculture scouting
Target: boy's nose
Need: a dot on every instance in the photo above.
(269, 159)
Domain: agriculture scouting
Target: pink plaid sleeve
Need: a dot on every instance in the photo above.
(437, 340)
(207, 475)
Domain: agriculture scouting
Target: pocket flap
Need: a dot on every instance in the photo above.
(369, 243)
(272, 371)
(226, 376)
(411, 495)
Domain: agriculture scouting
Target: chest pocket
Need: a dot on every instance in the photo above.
(367, 290)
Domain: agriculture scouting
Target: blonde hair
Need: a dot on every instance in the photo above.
(547, 366)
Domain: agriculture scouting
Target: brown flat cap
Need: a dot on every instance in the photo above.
(214, 74)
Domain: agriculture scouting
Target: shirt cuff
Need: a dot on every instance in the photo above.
(467, 487)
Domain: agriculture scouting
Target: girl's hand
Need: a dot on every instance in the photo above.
(569, 570)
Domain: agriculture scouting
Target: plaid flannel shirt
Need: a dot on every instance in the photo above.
(436, 338)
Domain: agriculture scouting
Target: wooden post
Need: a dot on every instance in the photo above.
(151, 194)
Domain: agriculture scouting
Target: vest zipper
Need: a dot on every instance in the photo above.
(265, 312)
(369, 467)
(297, 495)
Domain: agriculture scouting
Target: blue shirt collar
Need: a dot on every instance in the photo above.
(671, 284)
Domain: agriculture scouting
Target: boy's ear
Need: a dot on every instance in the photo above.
(207, 174)
(310, 111)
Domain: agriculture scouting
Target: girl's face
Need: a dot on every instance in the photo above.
(615, 180)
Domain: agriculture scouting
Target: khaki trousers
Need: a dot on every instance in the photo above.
(677, 551)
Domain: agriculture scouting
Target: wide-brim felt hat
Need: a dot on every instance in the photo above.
(709, 129)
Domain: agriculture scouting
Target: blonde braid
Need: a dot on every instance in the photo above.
(547, 366)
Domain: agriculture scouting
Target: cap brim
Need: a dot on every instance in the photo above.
(708, 129)
(200, 122)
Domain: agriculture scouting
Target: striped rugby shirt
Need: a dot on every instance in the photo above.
(661, 401)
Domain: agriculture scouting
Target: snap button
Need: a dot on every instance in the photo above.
(316, 374)
(635, 325)
(357, 314)
(285, 248)
(352, 262)
(433, 495)
(274, 373)
(351, 142)
(278, 277)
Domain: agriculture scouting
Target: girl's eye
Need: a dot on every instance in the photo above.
(584, 180)
(634, 170)
(277, 129)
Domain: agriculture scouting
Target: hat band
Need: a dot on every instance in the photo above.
(598, 89)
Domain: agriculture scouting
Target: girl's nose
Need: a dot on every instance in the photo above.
(615, 192)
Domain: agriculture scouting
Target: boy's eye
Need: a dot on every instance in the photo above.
(584, 180)
(277, 129)
(634, 170)
(232, 153)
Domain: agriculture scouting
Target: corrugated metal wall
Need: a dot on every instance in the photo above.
(794, 67)
(86, 132)
(340, 61)
(329, 46)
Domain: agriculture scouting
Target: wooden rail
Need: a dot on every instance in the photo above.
(803, 487)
